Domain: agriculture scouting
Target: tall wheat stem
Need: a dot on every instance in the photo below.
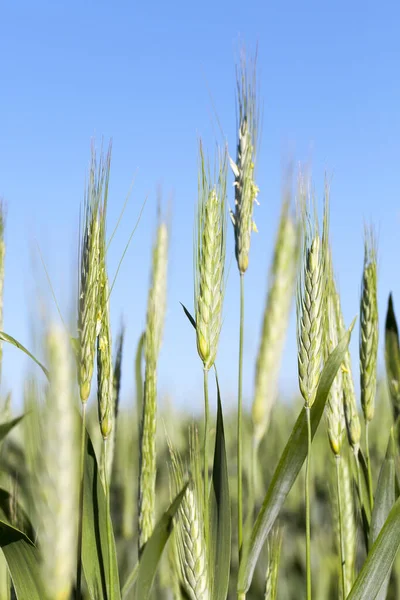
(78, 594)
(341, 540)
(307, 499)
(239, 422)
(206, 436)
(370, 489)
(109, 531)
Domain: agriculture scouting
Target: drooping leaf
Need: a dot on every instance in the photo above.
(7, 338)
(289, 466)
(379, 561)
(6, 427)
(22, 556)
(221, 511)
(153, 550)
(392, 358)
(95, 550)
(383, 502)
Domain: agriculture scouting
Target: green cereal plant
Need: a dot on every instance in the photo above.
(209, 278)
(88, 308)
(311, 303)
(105, 379)
(57, 490)
(154, 328)
(368, 339)
(246, 192)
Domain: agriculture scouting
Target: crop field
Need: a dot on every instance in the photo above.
(102, 499)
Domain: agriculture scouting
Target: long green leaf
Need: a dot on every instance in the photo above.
(289, 466)
(21, 555)
(95, 551)
(153, 550)
(221, 511)
(380, 559)
(383, 502)
(6, 427)
(7, 338)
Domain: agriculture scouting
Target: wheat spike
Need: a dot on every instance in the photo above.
(334, 407)
(352, 419)
(96, 193)
(57, 489)
(369, 328)
(104, 353)
(275, 322)
(189, 533)
(210, 244)
(147, 443)
(246, 190)
(311, 302)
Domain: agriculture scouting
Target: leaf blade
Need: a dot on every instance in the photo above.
(153, 549)
(221, 509)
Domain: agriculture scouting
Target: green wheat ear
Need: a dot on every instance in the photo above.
(282, 279)
(189, 535)
(57, 472)
(311, 304)
(209, 268)
(369, 327)
(246, 190)
(154, 328)
(96, 195)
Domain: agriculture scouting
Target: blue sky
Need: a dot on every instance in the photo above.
(149, 76)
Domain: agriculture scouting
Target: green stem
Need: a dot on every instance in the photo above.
(78, 594)
(206, 428)
(307, 498)
(371, 497)
(341, 539)
(252, 495)
(239, 422)
(109, 531)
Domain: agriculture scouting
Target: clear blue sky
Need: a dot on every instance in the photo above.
(144, 74)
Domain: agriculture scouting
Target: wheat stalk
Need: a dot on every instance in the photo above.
(349, 524)
(147, 443)
(209, 280)
(311, 303)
